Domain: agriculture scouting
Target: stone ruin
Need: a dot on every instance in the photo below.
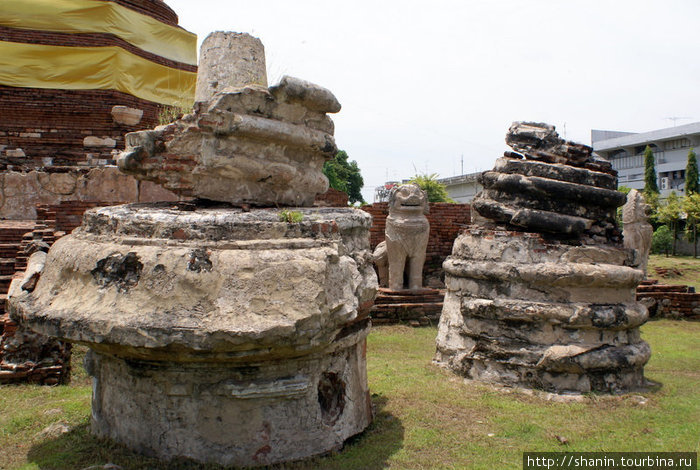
(217, 331)
(540, 290)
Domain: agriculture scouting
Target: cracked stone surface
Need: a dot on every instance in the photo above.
(541, 290)
(252, 145)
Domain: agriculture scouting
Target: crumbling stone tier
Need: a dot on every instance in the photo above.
(279, 137)
(540, 290)
(216, 334)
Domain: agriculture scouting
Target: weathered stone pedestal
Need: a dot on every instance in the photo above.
(522, 311)
(216, 334)
(541, 290)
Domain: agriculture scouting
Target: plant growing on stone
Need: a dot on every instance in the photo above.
(291, 217)
(168, 114)
(650, 186)
(691, 173)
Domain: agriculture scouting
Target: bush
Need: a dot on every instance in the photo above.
(437, 192)
(661, 241)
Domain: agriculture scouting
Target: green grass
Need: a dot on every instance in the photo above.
(427, 418)
(687, 265)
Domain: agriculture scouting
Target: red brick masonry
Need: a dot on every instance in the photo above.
(671, 301)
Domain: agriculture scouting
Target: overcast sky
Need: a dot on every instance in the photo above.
(424, 83)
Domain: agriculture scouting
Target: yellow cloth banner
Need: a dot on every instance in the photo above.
(97, 16)
(94, 68)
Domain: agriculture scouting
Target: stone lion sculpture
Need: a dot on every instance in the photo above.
(636, 228)
(402, 254)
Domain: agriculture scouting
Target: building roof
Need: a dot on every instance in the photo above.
(641, 138)
(460, 179)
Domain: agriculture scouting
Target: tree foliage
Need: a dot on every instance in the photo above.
(437, 192)
(670, 213)
(691, 173)
(661, 240)
(650, 186)
(345, 176)
(691, 207)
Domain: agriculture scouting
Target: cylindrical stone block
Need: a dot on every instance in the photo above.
(217, 334)
(228, 59)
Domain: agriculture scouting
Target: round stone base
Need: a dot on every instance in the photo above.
(526, 312)
(218, 334)
(255, 414)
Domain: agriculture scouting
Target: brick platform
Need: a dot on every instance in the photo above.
(669, 301)
(416, 308)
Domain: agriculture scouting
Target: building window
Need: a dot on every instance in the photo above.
(676, 144)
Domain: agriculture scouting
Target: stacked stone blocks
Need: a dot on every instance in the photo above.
(540, 290)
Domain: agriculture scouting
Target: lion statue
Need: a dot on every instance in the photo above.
(636, 230)
(402, 254)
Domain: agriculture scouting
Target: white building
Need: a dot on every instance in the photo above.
(462, 188)
(625, 150)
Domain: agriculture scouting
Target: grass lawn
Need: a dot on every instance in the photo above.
(688, 266)
(426, 417)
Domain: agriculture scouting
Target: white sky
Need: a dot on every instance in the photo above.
(423, 83)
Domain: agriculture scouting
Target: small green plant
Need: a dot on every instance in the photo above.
(291, 217)
(168, 114)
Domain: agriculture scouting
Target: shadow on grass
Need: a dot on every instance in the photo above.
(79, 449)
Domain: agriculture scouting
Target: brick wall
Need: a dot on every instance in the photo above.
(446, 220)
(332, 198)
(47, 127)
(50, 126)
(670, 301)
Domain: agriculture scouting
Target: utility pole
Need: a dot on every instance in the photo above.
(462, 161)
(673, 119)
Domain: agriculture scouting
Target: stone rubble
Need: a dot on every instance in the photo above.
(540, 290)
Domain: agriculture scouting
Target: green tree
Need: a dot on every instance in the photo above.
(691, 207)
(661, 240)
(670, 213)
(345, 176)
(650, 186)
(437, 192)
(691, 174)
